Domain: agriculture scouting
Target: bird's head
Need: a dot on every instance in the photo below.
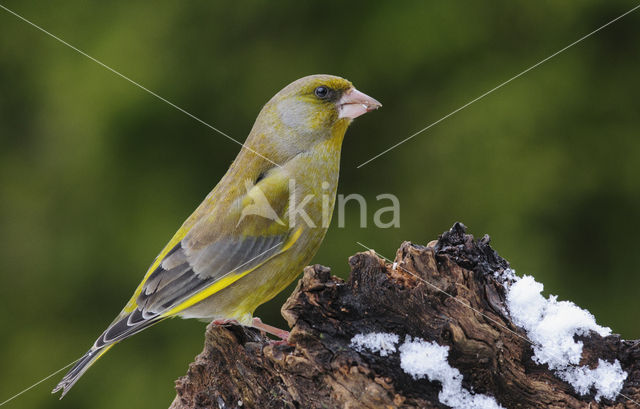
(310, 109)
(320, 101)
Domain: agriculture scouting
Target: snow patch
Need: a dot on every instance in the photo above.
(551, 325)
(607, 379)
(420, 359)
(379, 342)
(507, 274)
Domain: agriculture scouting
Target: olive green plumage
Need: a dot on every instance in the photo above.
(249, 238)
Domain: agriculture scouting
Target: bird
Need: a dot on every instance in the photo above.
(260, 225)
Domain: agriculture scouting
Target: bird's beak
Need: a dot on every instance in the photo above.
(354, 103)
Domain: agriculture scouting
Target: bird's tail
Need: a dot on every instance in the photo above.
(80, 368)
(124, 326)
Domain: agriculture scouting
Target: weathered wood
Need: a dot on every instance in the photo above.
(241, 368)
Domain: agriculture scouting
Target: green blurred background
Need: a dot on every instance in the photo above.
(96, 174)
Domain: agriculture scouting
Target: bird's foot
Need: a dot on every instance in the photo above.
(280, 333)
(224, 322)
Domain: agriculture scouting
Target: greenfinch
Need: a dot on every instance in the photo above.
(257, 229)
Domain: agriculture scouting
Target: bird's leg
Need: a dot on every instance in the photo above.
(280, 333)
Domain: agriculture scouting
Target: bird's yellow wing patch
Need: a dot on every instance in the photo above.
(226, 281)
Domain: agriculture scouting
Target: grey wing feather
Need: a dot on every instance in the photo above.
(183, 273)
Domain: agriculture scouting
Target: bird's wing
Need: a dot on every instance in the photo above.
(205, 259)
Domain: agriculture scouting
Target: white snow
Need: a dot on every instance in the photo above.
(508, 274)
(379, 342)
(551, 325)
(420, 359)
(607, 379)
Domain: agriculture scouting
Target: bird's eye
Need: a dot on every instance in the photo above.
(321, 92)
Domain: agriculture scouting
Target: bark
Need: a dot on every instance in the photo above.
(239, 367)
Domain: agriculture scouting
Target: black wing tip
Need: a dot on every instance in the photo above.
(76, 372)
(112, 335)
(63, 385)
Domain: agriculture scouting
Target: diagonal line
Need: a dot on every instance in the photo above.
(39, 382)
(249, 261)
(435, 287)
(499, 86)
(470, 307)
(227, 274)
(118, 73)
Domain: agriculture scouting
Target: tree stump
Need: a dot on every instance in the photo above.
(426, 293)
